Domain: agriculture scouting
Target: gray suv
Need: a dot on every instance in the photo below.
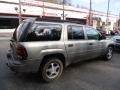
(48, 47)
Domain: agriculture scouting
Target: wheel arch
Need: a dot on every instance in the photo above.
(56, 55)
(111, 45)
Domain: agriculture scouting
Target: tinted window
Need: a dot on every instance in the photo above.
(75, 32)
(92, 34)
(44, 32)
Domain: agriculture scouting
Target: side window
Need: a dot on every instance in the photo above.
(92, 34)
(75, 32)
(45, 32)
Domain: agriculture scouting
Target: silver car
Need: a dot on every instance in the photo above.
(48, 47)
(116, 40)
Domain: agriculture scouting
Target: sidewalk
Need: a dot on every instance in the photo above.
(6, 33)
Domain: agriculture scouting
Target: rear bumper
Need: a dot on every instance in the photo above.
(22, 66)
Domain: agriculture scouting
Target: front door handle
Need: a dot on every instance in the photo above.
(70, 45)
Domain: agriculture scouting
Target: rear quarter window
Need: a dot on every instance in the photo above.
(44, 32)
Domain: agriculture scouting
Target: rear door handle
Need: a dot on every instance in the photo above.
(90, 43)
(70, 45)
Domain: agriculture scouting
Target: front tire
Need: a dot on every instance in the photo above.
(108, 54)
(51, 69)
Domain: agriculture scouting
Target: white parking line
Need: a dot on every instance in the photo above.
(5, 38)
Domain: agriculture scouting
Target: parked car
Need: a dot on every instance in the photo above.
(116, 40)
(49, 47)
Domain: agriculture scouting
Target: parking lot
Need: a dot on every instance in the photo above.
(89, 75)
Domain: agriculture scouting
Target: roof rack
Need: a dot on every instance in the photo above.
(55, 20)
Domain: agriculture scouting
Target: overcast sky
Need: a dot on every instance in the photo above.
(100, 5)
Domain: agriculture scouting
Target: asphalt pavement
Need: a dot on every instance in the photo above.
(94, 74)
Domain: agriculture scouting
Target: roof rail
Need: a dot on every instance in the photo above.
(29, 19)
(49, 19)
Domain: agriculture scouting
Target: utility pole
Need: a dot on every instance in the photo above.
(90, 13)
(63, 10)
(43, 9)
(119, 15)
(107, 19)
(20, 13)
(118, 22)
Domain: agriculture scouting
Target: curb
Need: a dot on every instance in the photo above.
(7, 30)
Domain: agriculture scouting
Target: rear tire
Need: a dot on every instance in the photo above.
(108, 55)
(51, 69)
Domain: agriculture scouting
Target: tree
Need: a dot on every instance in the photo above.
(68, 2)
(52, 1)
(78, 6)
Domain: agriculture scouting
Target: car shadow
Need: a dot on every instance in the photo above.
(29, 77)
(35, 78)
(117, 51)
(85, 62)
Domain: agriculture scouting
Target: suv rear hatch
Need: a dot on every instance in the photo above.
(17, 50)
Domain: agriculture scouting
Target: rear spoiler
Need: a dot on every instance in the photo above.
(29, 20)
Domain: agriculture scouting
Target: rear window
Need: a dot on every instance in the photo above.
(44, 32)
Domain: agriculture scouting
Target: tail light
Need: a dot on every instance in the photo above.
(21, 52)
